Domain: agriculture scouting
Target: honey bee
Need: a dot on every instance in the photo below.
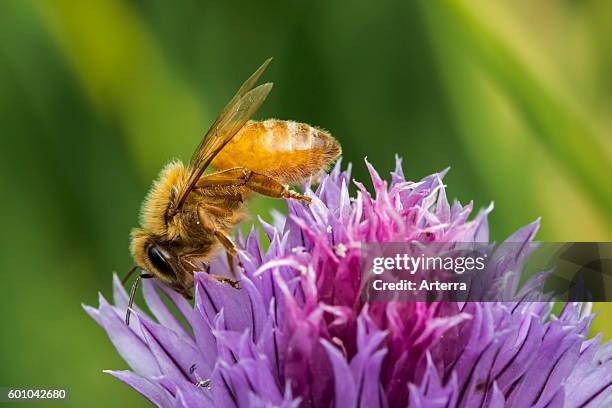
(188, 215)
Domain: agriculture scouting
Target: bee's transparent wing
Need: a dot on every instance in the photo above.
(231, 119)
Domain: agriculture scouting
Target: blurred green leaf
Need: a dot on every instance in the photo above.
(569, 139)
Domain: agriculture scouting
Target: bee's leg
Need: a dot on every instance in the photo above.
(257, 182)
(227, 242)
(188, 262)
(268, 186)
(223, 279)
(207, 222)
(228, 281)
(231, 251)
(230, 262)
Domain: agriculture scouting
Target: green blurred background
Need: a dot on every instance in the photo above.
(96, 96)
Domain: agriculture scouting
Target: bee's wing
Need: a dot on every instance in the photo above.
(231, 119)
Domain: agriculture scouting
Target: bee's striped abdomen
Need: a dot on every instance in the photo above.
(286, 150)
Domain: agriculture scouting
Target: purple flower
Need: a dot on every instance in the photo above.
(297, 332)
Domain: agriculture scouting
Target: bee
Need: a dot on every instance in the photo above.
(188, 216)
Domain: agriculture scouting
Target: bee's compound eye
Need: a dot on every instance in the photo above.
(159, 261)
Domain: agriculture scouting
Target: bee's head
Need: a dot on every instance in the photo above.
(160, 260)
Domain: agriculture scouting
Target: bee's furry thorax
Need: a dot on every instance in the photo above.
(153, 214)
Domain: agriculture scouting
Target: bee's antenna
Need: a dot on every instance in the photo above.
(135, 285)
(127, 275)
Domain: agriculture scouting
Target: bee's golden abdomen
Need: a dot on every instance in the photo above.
(286, 150)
